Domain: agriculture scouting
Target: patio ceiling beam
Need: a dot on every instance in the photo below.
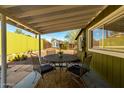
(61, 29)
(19, 26)
(45, 10)
(107, 11)
(64, 25)
(68, 26)
(3, 51)
(19, 22)
(86, 18)
(8, 6)
(104, 13)
(82, 12)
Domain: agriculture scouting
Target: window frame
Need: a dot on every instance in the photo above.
(108, 19)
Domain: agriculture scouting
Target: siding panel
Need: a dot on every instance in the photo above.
(110, 68)
(116, 72)
(122, 73)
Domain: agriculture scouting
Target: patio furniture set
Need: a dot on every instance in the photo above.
(50, 62)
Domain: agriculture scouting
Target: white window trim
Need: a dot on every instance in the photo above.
(105, 20)
(110, 53)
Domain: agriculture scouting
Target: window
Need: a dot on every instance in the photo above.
(80, 43)
(110, 36)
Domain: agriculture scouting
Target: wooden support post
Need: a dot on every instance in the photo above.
(39, 45)
(3, 52)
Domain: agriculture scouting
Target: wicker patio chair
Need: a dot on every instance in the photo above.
(40, 66)
(79, 70)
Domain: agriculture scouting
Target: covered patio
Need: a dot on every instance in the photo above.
(43, 19)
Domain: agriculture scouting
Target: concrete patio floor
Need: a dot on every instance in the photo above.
(18, 71)
(21, 73)
(15, 73)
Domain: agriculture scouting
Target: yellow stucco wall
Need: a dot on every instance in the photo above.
(17, 43)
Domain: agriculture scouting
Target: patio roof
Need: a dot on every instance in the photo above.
(50, 18)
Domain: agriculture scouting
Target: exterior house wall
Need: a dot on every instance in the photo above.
(55, 44)
(109, 67)
(45, 44)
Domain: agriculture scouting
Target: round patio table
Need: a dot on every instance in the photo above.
(63, 61)
(67, 58)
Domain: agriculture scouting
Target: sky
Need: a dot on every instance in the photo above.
(56, 35)
(97, 34)
(11, 28)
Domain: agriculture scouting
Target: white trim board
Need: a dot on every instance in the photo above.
(115, 54)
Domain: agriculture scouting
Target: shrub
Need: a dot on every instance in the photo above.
(24, 57)
(17, 57)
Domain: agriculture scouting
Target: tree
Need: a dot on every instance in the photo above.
(19, 31)
(29, 35)
(71, 35)
(53, 39)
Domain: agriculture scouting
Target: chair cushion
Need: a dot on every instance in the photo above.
(76, 69)
(46, 68)
(76, 61)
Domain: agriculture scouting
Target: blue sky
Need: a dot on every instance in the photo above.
(97, 34)
(11, 28)
(56, 35)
